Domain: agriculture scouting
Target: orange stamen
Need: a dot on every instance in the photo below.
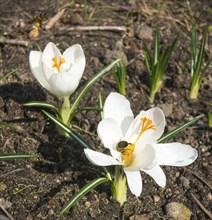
(146, 125)
(57, 64)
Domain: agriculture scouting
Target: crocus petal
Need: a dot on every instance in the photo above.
(51, 51)
(100, 159)
(134, 181)
(63, 84)
(36, 68)
(175, 154)
(150, 135)
(145, 158)
(118, 108)
(109, 132)
(117, 155)
(74, 56)
(158, 175)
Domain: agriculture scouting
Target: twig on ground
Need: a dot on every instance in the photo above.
(87, 132)
(200, 178)
(208, 213)
(14, 42)
(13, 171)
(94, 28)
(5, 211)
(54, 19)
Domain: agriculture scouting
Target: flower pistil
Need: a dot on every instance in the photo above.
(57, 64)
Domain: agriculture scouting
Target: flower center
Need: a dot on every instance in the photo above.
(126, 148)
(57, 64)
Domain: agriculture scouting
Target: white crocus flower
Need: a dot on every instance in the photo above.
(133, 143)
(58, 73)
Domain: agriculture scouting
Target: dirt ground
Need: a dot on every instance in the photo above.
(38, 188)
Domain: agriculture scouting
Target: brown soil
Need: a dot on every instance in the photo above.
(61, 167)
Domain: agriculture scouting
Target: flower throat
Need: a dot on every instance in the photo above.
(126, 148)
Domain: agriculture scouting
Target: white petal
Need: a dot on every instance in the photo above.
(145, 158)
(63, 84)
(117, 155)
(74, 56)
(100, 159)
(118, 107)
(51, 51)
(109, 132)
(158, 175)
(149, 136)
(36, 68)
(175, 154)
(134, 182)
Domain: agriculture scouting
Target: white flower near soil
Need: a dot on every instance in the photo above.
(133, 143)
(58, 73)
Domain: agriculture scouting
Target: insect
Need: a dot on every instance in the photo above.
(126, 150)
(39, 19)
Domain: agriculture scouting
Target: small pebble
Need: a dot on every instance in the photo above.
(50, 212)
(3, 186)
(87, 204)
(178, 211)
(139, 217)
(185, 182)
(156, 198)
(209, 196)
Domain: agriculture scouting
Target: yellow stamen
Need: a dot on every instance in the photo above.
(57, 64)
(126, 148)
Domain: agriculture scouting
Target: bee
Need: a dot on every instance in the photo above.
(39, 19)
(126, 150)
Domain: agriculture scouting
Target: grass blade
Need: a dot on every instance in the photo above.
(41, 104)
(15, 156)
(178, 129)
(8, 74)
(100, 74)
(82, 192)
(67, 129)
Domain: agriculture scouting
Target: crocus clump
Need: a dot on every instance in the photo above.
(133, 145)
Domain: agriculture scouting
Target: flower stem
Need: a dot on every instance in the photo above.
(65, 110)
(119, 186)
(194, 91)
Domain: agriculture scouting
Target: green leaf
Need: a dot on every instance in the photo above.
(8, 74)
(156, 47)
(178, 129)
(41, 104)
(100, 74)
(100, 105)
(194, 49)
(148, 60)
(82, 192)
(205, 70)
(196, 74)
(15, 156)
(67, 129)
